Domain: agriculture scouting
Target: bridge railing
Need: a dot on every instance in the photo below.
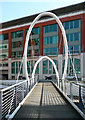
(75, 91)
(11, 96)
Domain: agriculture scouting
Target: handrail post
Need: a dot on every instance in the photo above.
(59, 83)
(29, 84)
(80, 99)
(65, 86)
(0, 105)
(22, 91)
(71, 96)
(62, 84)
(15, 102)
(27, 88)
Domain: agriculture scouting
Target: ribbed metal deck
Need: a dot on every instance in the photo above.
(46, 102)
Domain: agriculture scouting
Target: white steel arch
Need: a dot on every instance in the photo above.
(40, 59)
(27, 40)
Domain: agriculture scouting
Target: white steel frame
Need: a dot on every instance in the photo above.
(27, 40)
(40, 59)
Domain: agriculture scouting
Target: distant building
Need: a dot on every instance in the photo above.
(46, 39)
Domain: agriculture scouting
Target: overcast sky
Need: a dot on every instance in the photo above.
(14, 9)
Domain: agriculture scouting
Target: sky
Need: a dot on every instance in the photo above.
(14, 9)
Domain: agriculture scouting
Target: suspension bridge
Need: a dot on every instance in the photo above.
(41, 98)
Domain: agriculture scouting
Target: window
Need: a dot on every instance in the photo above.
(50, 40)
(4, 37)
(72, 24)
(32, 63)
(16, 54)
(50, 28)
(55, 39)
(5, 64)
(76, 49)
(13, 68)
(76, 23)
(50, 67)
(56, 63)
(66, 25)
(3, 46)
(45, 67)
(17, 34)
(77, 65)
(17, 68)
(35, 31)
(73, 35)
(33, 52)
(28, 67)
(50, 51)
(76, 36)
(16, 44)
(34, 42)
(4, 55)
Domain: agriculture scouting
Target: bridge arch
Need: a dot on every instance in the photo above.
(28, 35)
(40, 59)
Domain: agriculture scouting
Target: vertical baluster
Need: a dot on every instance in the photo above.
(27, 88)
(71, 96)
(22, 91)
(80, 99)
(65, 86)
(1, 104)
(15, 98)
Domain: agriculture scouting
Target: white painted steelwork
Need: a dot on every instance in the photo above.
(40, 59)
(28, 35)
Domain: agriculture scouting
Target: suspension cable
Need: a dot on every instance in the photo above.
(73, 66)
(70, 58)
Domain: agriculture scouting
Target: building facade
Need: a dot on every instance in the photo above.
(45, 39)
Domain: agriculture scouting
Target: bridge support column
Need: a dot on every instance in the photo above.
(23, 71)
(83, 66)
(9, 70)
(41, 70)
(60, 60)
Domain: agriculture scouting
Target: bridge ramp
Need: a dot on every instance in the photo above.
(45, 101)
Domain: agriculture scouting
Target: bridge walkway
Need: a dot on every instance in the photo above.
(45, 101)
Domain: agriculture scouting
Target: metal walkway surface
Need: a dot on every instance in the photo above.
(45, 101)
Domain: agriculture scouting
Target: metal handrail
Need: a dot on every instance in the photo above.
(14, 94)
(75, 89)
(13, 86)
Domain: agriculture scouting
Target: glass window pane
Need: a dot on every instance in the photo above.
(71, 24)
(50, 28)
(76, 24)
(71, 37)
(17, 34)
(66, 26)
(76, 36)
(77, 65)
